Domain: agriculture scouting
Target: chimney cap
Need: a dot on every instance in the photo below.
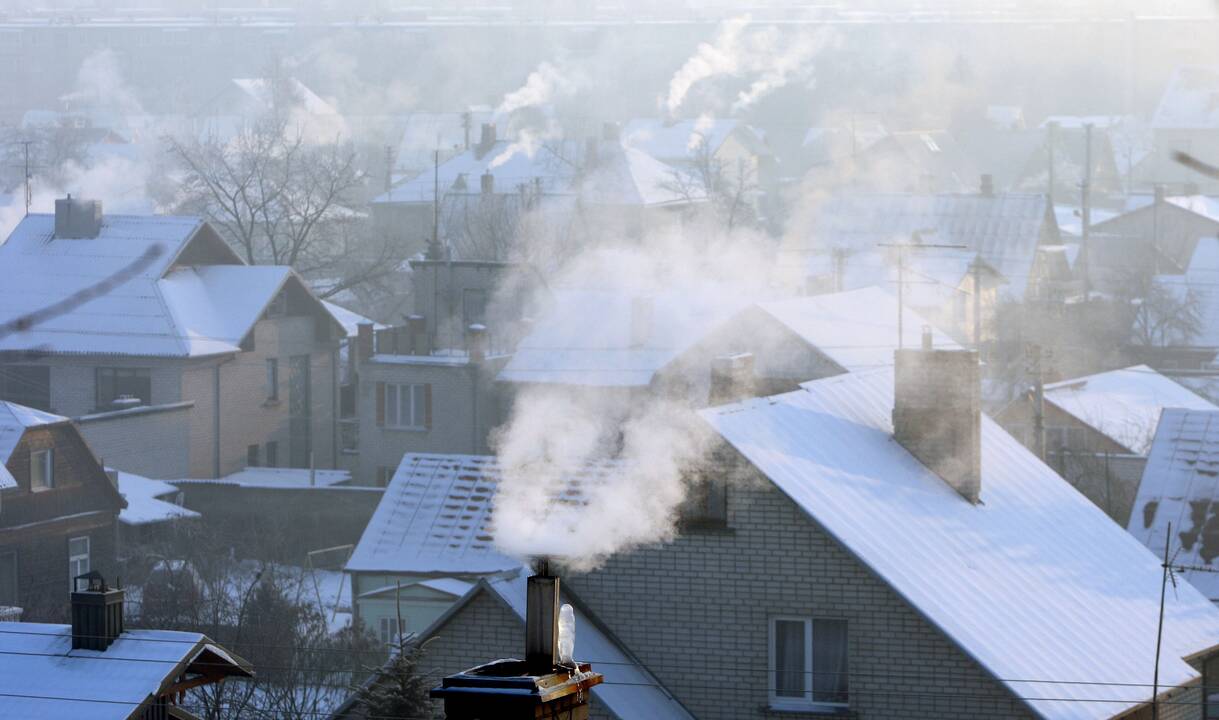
(94, 582)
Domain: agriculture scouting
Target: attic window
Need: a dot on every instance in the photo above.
(42, 469)
(278, 306)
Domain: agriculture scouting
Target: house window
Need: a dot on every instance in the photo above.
(78, 558)
(28, 385)
(808, 663)
(408, 406)
(1210, 687)
(706, 503)
(272, 379)
(388, 632)
(127, 383)
(272, 453)
(8, 579)
(42, 469)
(474, 306)
(251, 456)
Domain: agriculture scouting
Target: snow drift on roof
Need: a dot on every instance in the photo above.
(1036, 583)
(144, 505)
(1123, 405)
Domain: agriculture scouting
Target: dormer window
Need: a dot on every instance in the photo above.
(42, 469)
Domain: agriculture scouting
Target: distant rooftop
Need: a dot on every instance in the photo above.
(277, 478)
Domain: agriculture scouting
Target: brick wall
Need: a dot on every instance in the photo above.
(697, 612)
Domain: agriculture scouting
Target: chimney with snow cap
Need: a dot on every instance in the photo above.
(937, 413)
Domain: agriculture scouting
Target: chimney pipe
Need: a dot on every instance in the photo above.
(731, 378)
(988, 185)
(77, 219)
(97, 613)
(541, 620)
(937, 413)
(476, 342)
(487, 183)
(364, 341)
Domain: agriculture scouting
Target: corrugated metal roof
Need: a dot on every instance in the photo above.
(1180, 485)
(1004, 229)
(1035, 583)
(1123, 405)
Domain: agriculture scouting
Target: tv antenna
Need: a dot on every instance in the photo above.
(916, 241)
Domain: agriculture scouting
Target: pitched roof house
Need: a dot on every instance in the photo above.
(171, 351)
(1179, 489)
(58, 511)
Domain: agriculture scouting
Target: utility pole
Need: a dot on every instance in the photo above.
(389, 168)
(915, 242)
(467, 121)
(1085, 208)
(1050, 132)
(1034, 358)
(29, 195)
(976, 267)
(1167, 570)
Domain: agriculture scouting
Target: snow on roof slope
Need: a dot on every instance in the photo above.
(144, 505)
(627, 176)
(276, 478)
(1123, 405)
(857, 329)
(1035, 583)
(1004, 229)
(164, 311)
(1180, 485)
(14, 420)
(629, 690)
(1190, 100)
(677, 141)
(585, 338)
(435, 514)
(38, 663)
(349, 319)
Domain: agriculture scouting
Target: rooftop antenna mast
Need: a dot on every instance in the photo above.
(916, 241)
(29, 196)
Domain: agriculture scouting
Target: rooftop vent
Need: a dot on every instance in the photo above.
(76, 219)
(937, 413)
(97, 612)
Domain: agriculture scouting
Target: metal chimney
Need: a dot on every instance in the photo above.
(97, 612)
(76, 219)
(542, 620)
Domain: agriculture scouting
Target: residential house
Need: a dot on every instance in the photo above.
(1176, 500)
(1098, 429)
(196, 365)
(58, 511)
(796, 603)
(619, 190)
(426, 133)
(1185, 120)
(1159, 333)
(1007, 231)
(489, 617)
(731, 144)
(97, 668)
(916, 161)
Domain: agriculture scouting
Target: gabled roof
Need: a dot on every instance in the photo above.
(630, 691)
(585, 337)
(856, 329)
(173, 308)
(1036, 583)
(676, 142)
(435, 517)
(1123, 405)
(14, 421)
(426, 132)
(1180, 486)
(1004, 228)
(1190, 100)
(45, 678)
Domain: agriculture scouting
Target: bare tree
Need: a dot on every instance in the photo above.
(729, 187)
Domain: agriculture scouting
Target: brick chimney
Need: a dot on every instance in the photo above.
(417, 331)
(487, 183)
(486, 140)
(76, 219)
(987, 186)
(731, 378)
(97, 612)
(476, 342)
(937, 413)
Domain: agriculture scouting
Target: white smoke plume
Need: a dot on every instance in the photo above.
(722, 56)
(544, 85)
(634, 451)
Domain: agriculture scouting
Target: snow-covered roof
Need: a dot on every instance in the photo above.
(1123, 405)
(629, 690)
(260, 90)
(144, 506)
(1190, 100)
(349, 319)
(166, 310)
(45, 678)
(1201, 282)
(1180, 485)
(14, 420)
(586, 336)
(679, 141)
(620, 176)
(857, 329)
(276, 478)
(1035, 583)
(426, 132)
(435, 517)
(1004, 228)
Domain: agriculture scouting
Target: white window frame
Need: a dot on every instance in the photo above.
(805, 703)
(388, 631)
(393, 417)
(47, 481)
(74, 561)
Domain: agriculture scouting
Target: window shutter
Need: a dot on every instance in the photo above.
(427, 406)
(380, 404)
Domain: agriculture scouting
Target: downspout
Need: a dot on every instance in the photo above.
(216, 417)
(334, 404)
